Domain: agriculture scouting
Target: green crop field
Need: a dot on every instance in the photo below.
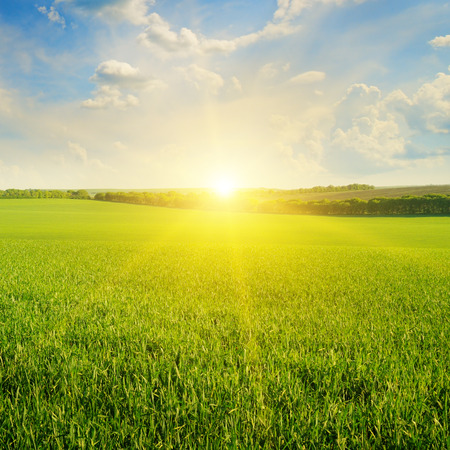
(125, 326)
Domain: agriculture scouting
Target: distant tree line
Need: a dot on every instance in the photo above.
(331, 188)
(173, 199)
(39, 193)
(261, 192)
(406, 205)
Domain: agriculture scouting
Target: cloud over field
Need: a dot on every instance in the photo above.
(114, 76)
(80, 155)
(380, 127)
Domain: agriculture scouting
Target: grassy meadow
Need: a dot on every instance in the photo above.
(125, 326)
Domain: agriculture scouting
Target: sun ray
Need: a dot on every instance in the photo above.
(224, 186)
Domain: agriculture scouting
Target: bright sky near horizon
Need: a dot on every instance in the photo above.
(157, 93)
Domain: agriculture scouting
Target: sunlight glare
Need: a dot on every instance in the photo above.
(224, 187)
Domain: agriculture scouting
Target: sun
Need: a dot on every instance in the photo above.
(224, 187)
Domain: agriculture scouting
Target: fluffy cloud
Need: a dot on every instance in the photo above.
(134, 11)
(428, 110)
(379, 139)
(382, 128)
(123, 75)
(110, 97)
(236, 85)
(300, 161)
(300, 142)
(159, 36)
(357, 101)
(271, 70)
(80, 155)
(158, 33)
(78, 151)
(308, 77)
(441, 41)
(359, 95)
(53, 15)
(289, 9)
(268, 71)
(366, 126)
(430, 105)
(114, 76)
(203, 79)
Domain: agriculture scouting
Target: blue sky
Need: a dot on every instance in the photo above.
(294, 93)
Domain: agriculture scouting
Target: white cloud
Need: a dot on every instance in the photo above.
(380, 128)
(300, 161)
(159, 36)
(357, 101)
(271, 70)
(300, 142)
(78, 151)
(362, 94)
(80, 155)
(236, 85)
(441, 41)
(378, 139)
(123, 75)
(428, 109)
(290, 9)
(308, 77)
(114, 76)
(203, 79)
(52, 14)
(115, 72)
(268, 71)
(134, 11)
(366, 125)
(431, 105)
(110, 97)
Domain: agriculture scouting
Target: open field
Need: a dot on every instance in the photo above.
(98, 221)
(126, 326)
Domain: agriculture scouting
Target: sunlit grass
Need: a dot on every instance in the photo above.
(220, 331)
(100, 221)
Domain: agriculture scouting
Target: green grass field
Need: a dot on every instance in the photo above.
(127, 326)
